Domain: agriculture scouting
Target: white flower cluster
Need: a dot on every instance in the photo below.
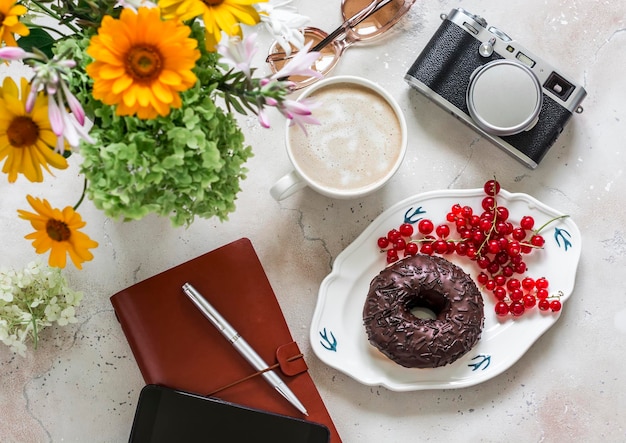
(31, 299)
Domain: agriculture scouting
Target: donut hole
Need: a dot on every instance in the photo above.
(427, 305)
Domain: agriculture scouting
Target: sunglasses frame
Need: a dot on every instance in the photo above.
(339, 45)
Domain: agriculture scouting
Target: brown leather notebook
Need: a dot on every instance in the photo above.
(176, 346)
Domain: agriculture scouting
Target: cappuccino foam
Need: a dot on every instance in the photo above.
(357, 144)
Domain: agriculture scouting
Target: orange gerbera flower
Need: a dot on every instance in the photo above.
(142, 62)
(9, 21)
(58, 230)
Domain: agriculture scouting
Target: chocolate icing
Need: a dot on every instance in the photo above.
(429, 282)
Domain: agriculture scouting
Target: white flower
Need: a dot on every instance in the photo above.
(30, 300)
(238, 54)
(283, 22)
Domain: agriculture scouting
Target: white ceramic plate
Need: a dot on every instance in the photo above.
(337, 333)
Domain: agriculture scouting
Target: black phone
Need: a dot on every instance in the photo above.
(169, 415)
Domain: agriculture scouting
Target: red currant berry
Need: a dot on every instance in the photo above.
(451, 217)
(507, 271)
(502, 213)
(543, 304)
(542, 294)
(517, 308)
(513, 284)
(537, 241)
(555, 305)
(467, 211)
(500, 293)
(440, 246)
(485, 225)
(393, 235)
(501, 309)
(516, 294)
(527, 222)
(456, 209)
(493, 246)
(518, 234)
(541, 283)
(383, 242)
(411, 249)
(491, 187)
(443, 231)
(520, 268)
(392, 255)
(514, 248)
(490, 285)
(482, 278)
(461, 249)
(425, 226)
(488, 203)
(427, 248)
(528, 283)
(529, 301)
(399, 244)
(500, 280)
(406, 229)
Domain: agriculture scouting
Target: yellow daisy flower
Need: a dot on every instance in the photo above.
(142, 63)
(9, 21)
(57, 230)
(218, 15)
(26, 139)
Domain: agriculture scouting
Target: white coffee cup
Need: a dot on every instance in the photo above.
(357, 148)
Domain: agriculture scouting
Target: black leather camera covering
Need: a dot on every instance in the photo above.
(445, 66)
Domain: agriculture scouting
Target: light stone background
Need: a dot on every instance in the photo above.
(82, 383)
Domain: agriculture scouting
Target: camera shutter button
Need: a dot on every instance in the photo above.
(504, 97)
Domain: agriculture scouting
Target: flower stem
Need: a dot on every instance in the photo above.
(82, 196)
(53, 14)
(34, 322)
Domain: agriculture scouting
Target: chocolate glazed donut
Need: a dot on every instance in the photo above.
(428, 282)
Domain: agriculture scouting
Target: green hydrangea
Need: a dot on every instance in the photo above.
(187, 164)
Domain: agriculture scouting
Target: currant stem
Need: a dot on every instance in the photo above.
(538, 230)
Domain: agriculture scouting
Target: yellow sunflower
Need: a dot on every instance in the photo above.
(57, 230)
(26, 139)
(142, 63)
(9, 21)
(218, 15)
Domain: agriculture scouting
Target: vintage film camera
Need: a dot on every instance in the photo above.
(496, 86)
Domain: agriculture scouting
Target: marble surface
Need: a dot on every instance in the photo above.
(82, 383)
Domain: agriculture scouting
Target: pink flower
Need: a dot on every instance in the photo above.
(299, 112)
(300, 64)
(14, 53)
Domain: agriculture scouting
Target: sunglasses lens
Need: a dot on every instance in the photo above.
(378, 22)
(324, 63)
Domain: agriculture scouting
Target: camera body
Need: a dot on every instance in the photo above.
(496, 86)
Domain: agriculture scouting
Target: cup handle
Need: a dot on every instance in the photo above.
(287, 185)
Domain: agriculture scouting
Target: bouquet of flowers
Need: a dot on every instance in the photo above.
(144, 92)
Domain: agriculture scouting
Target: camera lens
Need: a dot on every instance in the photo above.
(504, 97)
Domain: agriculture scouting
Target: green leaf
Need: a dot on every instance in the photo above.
(38, 38)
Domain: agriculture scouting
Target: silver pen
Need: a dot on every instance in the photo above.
(241, 345)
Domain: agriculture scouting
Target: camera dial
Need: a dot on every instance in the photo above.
(501, 35)
(504, 97)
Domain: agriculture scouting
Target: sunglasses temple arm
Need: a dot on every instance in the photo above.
(352, 21)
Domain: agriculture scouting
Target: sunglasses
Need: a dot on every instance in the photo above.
(364, 20)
